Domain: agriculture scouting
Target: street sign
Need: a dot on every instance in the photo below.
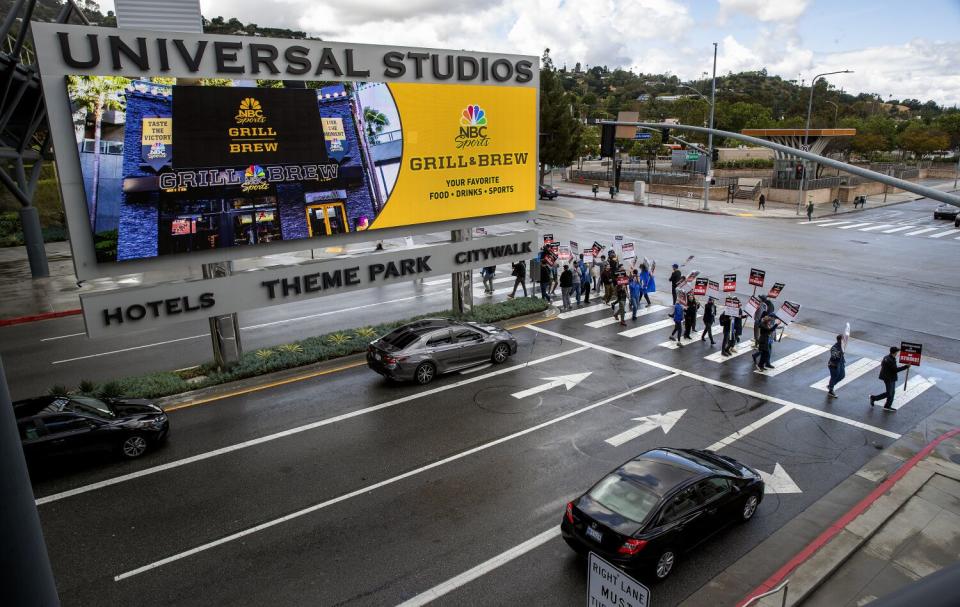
(642, 135)
(693, 156)
(611, 587)
(910, 353)
(757, 276)
(804, 148)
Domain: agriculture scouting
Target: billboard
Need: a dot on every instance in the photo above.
(235, 147)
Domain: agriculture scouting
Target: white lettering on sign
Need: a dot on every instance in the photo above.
(611, 587)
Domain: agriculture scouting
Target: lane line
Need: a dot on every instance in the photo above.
(290, 432)
(648, 328)
(741, 348)
(130, 349)
(609, 321)
(916, 387)
(855, 225)
(814, 221)
(923, 231)
(879, 227)
(62, 336)
(428, 596)
(835, 223)
(900, 229)
(763, 421)
(942, 234)
(720, 384)
(366, 490)
(853, 371)
(792, 360)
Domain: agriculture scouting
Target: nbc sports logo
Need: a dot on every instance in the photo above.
(250, 112)
(473, 116)
(473, 128)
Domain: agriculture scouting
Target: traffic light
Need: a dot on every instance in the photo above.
(607, 136)
(799, 172)
(715, 155)
(664, 136)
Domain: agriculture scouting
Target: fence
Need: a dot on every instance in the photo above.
(660, 178)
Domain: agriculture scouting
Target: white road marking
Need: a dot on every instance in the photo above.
(923, 231)
(942, 234)
(648, 328)
(718, 383)
(737, 435)
(814, 221)
(855, 225)
(648, 423)
(835, 223)
(475, 369)
(567, 381)
(366, 490)
(916, 386)
(672, 344)
(130, 349)
(282, 434)
(879, 227)
(853, 371)
(792, 360)
(741, 348)
(583, 311)
(779, 481)
(603, 322)
(62, 336)
(899, 229)
(428, 596)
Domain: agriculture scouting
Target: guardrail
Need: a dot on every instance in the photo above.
(782, 586)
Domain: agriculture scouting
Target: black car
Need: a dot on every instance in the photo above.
(648, 511)
(74, 425)
(548, 192)
(947, 211)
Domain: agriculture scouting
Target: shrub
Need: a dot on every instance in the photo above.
(87, 387)
(58, 390)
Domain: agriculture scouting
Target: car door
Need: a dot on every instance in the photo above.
(682, 519)
(716, 493)
(31, 437)
(471, 347)
(442, 350)
(68, 434)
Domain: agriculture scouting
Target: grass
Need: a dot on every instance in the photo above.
(287, 356)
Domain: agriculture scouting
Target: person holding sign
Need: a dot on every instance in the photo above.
(647, 283)
(676, 277)
(836, 365)
(621, 295)
(690, 316)
(709, 315)
(726, 324)
(635, 290)
(677, 323)
(888, 375)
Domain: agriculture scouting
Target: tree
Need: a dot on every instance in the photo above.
(97, 94)
(560, 130)
(375, 121)
(922, 140)
(950, 125)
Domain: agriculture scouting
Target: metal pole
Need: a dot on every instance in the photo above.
(713, 105)
(957, 172)
(806, 135)
(461, 282)
(26, 577)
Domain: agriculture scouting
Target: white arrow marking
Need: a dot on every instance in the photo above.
(552, 382)
(648, 423)
(779, 481)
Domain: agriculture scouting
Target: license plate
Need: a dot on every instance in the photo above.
(594, 534)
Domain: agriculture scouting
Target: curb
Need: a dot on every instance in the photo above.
(839, 525)
(640, 204)
(19, 320)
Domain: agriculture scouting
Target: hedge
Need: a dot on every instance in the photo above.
(287, 356)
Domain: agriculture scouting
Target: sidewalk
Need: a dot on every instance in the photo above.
(893, 522)
(742, 208)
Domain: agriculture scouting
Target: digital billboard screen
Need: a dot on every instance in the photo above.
(221, 164)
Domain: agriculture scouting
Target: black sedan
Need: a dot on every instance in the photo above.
(76, 425)
(421, 350)
(548, 192)
(946, 211)
(662, 503)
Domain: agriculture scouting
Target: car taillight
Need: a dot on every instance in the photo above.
(632, 546)
(570, 513)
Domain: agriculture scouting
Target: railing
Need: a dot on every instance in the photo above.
(782, 586)
(809, 184)
(26, 53)
(675, 177)
(113, 148)
(388, 137)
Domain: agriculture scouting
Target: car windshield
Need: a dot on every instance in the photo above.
(625, 498)
(400, 338)
(90, 406)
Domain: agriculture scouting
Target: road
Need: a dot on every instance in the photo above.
(344, 489)
(884, 283)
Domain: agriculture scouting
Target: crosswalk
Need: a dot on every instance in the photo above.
(796, 361)
(937, 229)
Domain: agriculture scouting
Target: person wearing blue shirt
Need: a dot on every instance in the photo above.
(677, 323)
(647, 283)
(635, 291)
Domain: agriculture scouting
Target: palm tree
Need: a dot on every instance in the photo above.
(97, 94)
(375, 122)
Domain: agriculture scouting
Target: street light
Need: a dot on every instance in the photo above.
(836, 112)
(806, 132)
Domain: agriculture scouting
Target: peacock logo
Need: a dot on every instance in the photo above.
(250, 112)
(473, 128)
(473, 115)
(254, 178)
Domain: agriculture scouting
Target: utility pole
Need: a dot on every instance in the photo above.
(713, 105)
(806, 134)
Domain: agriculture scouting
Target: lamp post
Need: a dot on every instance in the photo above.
(713, 105)
(806, 132)
(836, 112)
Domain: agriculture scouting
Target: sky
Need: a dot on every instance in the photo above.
(896, 49)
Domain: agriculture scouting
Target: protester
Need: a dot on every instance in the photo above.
(888, 375)
(836, 205)
(810, 210)
(613, 260)
(606, 281)
(677, 323)
(554, 278)
(768, 329)
(738, 326)
(675, 279)
(709, 315)
(690, 316)
(763, 202)
(647, 283)
(635, 290)
(595, 269)
(578, 269)
(762, 310)
(487, 274)
(837, 365)
(566, 286)
(519, 272)
(621, 301)
(545, 281)
(585, 279)
(726, 323)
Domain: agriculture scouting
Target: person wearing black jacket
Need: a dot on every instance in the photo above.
(888, 375)
(675, 279)
(545, 276)
(566, 286)
(520, 273)
(709, 315)
(690, 316)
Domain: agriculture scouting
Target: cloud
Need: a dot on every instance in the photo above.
(763, 10)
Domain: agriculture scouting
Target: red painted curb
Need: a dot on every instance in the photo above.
(5, 322)
(838, 525)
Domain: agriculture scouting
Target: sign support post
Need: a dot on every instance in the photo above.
(224, 329)
(461, 282)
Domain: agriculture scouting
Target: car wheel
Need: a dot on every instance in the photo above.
(501, 353)
(664, 564)
(956, 222)
(133, 446)
(425, 373)
(749, 507)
